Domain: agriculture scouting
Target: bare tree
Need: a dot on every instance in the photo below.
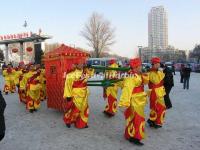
(196, 53)
(99, 33)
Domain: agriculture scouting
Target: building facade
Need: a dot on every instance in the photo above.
(173, 55)
(157, 29)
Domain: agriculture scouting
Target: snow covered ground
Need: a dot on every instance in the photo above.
(45, 130)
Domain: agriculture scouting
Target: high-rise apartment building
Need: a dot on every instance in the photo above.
(157, 28)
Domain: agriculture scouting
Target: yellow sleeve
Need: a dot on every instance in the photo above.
(156, 77)
(68, 85)
(126, 92)
(16, 76)
(35, 87)
(23, 83)
(5, 73)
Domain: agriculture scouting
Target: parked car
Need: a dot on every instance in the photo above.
(102, 62)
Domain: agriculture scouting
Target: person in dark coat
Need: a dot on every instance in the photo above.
(4, 66)
(173, 69)
(181, 72)
(2, 121)
(168, 84)
(186, 76)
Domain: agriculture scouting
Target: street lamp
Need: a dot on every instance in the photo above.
(140, 51)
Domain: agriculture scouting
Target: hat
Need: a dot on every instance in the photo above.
(155, 60)
(135, 62)
(112, 61)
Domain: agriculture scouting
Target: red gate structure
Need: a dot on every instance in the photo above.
(57, 63)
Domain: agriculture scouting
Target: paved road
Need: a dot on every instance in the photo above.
(45, 129)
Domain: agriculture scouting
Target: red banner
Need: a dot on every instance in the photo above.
(15, 36)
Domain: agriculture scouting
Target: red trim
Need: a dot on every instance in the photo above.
(138, 89)
(111, 101)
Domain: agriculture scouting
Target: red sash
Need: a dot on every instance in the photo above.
(79, 84)
(154, 86)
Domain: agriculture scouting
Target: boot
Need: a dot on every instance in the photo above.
(108, 114)
(136, 142)
(151, 123)
(2, 135)
(68, 125)
(157, 126)
(31, 110)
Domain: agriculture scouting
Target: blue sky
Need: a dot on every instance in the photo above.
(64, 19)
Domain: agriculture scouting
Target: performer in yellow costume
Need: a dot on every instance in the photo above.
(22, 89)
(157, 104)
(42, 81)
(18, 73)
(76, 93)
(111, 91)
(134, 98)
(31, 83)
(9, 75)
(43, 84)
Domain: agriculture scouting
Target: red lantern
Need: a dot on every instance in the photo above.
(14, 50)
(29, 49)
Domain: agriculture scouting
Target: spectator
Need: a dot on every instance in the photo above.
(4, 66)
(181, 72)
(186, 76)
(168, 84)
(2, 121)
(173, 69)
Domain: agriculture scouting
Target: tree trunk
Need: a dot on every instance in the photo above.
(97, 53)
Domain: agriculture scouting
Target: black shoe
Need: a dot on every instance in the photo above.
(31, 110)
(86, 126)
(157, 126)
(136, 141)
(68, 125)
(151, 123)
(6, 93)
(35, 110)
(108, 114)
(168, 107)
(2, 135)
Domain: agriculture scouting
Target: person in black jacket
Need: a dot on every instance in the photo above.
(168, 84)
(181, 72)
(2, 121)
(186, 76)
